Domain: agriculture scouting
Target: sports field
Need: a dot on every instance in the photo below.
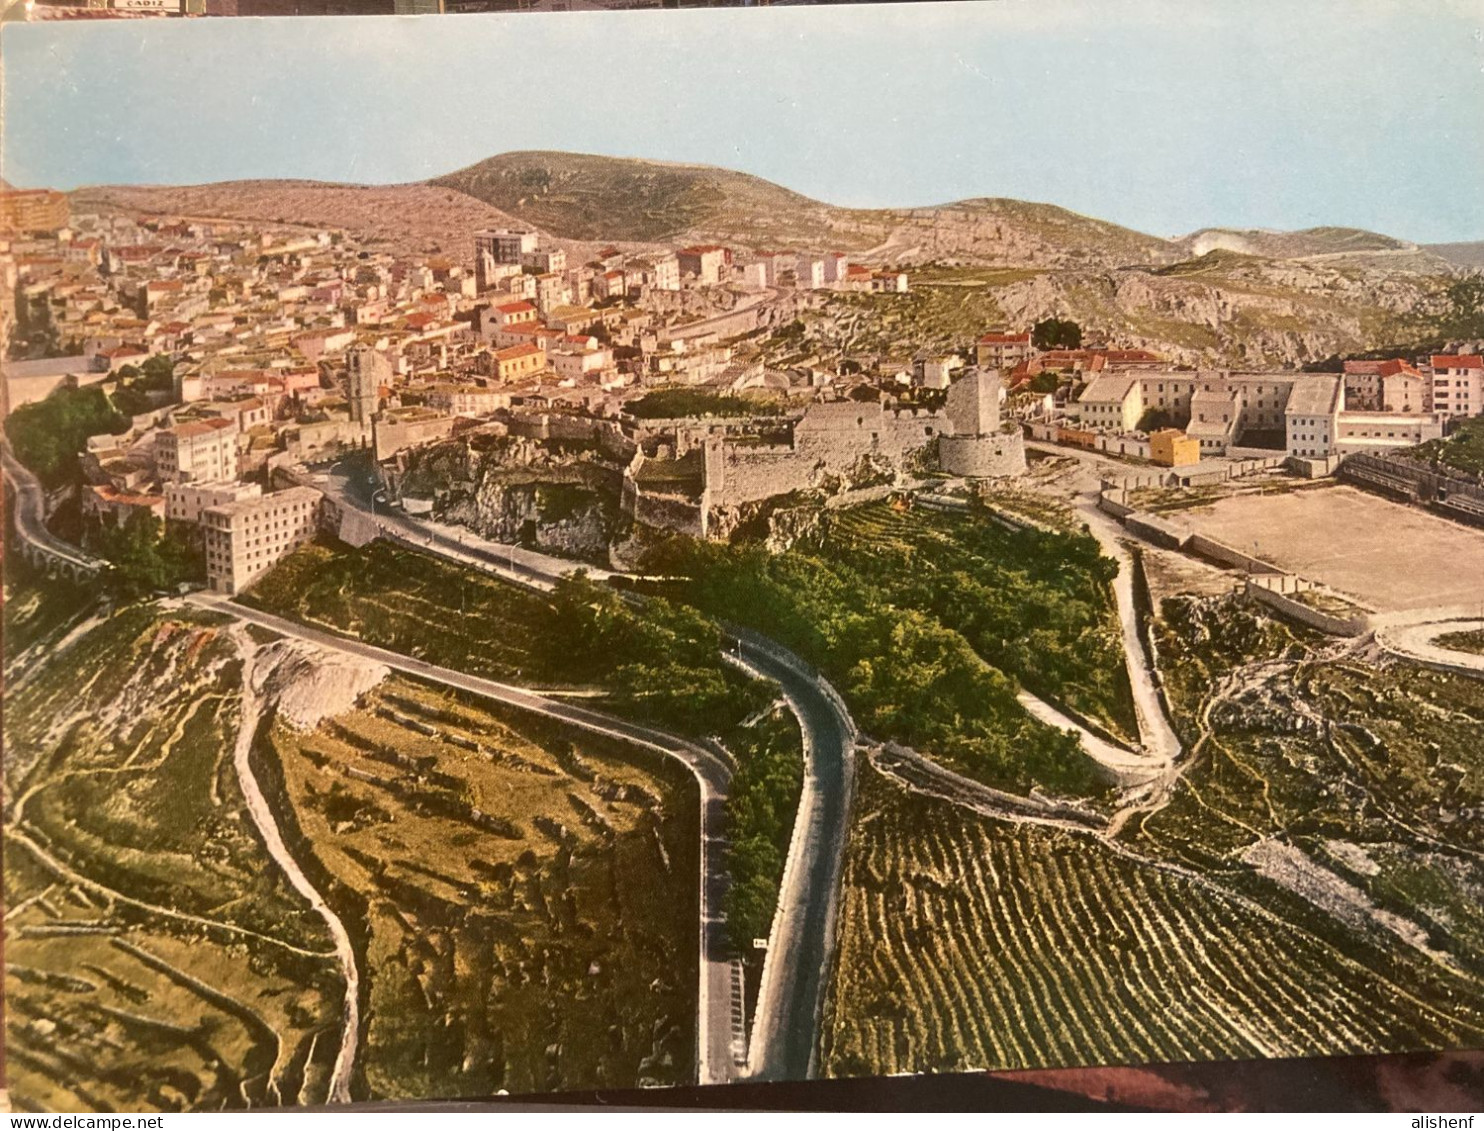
(1390, 556)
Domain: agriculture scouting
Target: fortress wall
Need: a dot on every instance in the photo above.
(752, 473)
(1002, 453)
(392, 438)
(667, 512)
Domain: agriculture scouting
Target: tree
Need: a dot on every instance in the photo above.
(145, 557)
(1154, 419)
(1056, 333)
(47, 436)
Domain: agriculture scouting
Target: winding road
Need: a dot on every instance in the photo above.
(267, 825)
(802, 941)
(713, 1034)
(30, 519)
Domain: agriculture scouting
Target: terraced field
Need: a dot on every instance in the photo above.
(155, 959)
(523, 896)
(394, 598)
(973, 943)
(1311, 883)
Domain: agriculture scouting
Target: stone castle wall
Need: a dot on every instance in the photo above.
(982, 456)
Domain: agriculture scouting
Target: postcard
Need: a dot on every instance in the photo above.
(633, 550)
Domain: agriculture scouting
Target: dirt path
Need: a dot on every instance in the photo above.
(267, 826)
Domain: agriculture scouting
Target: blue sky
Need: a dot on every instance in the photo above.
(1164, 115)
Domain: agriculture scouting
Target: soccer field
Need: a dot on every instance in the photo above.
(1389, 555)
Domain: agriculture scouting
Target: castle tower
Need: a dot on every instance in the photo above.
(367, 371)
(973, 404)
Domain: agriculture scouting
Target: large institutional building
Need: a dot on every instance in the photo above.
(247, 537)
(1317, 414)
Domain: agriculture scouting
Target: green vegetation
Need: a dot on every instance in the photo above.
(760, 820)
(660, 661)
(132, 396)
(677, 402)
(148, 558)
(1056, 334)
(659, 664)
(1461, 451)
(47, 436)
(1036, 605)
(523, 894)
(894, 617)
(409, 602)
(1462, 641)
(155, 959)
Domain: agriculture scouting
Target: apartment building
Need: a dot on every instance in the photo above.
(1002, 350)
(1457, 384)
(705, 263)
(185, 502)
(248, 536)
(200, 451)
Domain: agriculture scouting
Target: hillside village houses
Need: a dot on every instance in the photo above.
(290, 347)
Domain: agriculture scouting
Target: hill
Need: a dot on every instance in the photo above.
(586, 197)
(409, 219)
(1466, 255)
(1291, 245)
(1218, 295)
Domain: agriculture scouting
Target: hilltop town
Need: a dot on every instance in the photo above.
(690, 386)
(397, 628)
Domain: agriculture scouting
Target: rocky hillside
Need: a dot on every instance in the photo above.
(1216, 295)
(583, 197)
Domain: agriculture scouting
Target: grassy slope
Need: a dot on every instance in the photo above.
(544, 942)
(125, 745)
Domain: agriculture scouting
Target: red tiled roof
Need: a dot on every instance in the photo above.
(201, 427)
(510, 353)
(996, 339)
(1457, 361)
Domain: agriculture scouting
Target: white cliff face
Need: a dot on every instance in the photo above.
(309, 684)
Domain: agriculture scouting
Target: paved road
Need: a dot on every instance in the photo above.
(713, 1028)
(801, 946)
(30, 515)
(1415, 642)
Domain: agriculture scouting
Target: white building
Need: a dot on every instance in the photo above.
(200, 451)
(184, 502)
(1458, 385)
(249, 536)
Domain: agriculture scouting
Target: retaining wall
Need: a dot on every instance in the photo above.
(1228, 555)
(1297, 610)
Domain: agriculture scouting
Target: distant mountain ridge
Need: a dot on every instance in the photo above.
(1218, 295)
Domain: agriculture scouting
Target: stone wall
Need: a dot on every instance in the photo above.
(1297, 610)
(1002, 453)
(393, 437)
(1157, 530)
(1228, 555)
